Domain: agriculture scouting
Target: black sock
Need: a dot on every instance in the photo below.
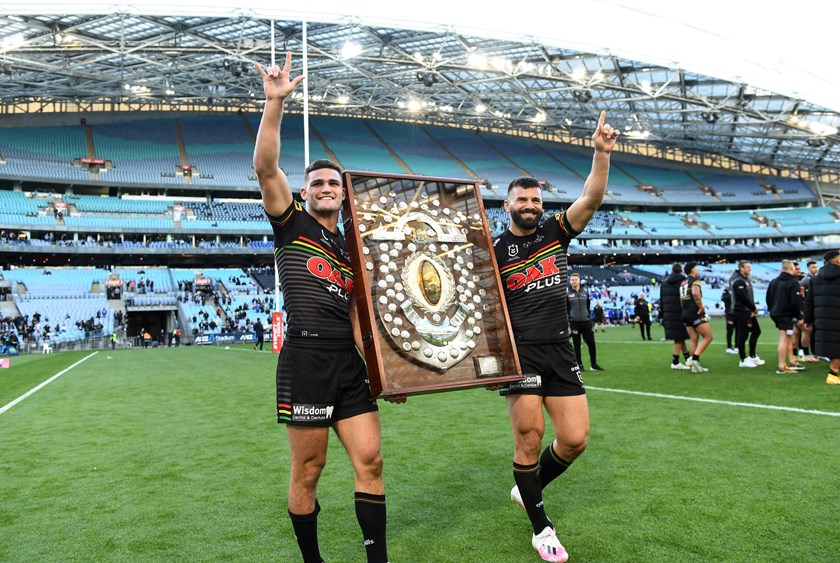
(806, 350)
(832, 371)
(676, 359)
(370, 512)
(686, 355)
(551, 466)
(527, 478)
(306, 533)
(695, 357)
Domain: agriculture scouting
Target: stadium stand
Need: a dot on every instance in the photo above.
(650, 211)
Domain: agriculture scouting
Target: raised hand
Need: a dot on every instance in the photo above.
(276, 81)
(604, 136)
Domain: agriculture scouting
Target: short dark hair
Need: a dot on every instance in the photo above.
(318, 165)
(690, 266)
(809, 263)
(676, 269)
(574, 275)
(741, 263)
(831, 255)
(524, 182)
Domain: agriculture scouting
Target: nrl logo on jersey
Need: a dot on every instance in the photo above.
(427, 294)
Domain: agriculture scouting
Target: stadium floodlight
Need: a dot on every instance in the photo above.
(343, 99)
(822, 129)
(501, 63)
(351, 49)
(414, 105)
(13, 41)
(579, 74)
(477, 60)
(639, 135)
(540, 117)
(480, 108)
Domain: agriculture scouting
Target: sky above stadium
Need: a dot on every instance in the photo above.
(775, 45)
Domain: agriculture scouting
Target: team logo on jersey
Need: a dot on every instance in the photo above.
(427, 296)
(513, 250)
(322, 269)
(535, 276)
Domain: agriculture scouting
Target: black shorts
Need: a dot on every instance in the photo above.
(784, 323)
(550, 369)
(318, 387)
(693, 320)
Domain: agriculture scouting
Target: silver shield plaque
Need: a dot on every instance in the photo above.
(426, 286)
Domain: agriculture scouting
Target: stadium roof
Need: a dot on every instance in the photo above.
(721, 80)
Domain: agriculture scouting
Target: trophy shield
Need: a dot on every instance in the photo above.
(428, 294)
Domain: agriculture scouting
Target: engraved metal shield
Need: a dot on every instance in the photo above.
(425, 292)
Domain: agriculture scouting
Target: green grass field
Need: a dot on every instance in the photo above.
(175, 455)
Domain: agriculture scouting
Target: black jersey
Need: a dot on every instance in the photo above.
(316, 278)
(689, 305)
(534, 275)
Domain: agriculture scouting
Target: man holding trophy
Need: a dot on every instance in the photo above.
(532, 262)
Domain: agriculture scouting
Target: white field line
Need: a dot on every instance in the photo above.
(715, 401)
(44, 384)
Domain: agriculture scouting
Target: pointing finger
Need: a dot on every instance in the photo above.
(602, 117)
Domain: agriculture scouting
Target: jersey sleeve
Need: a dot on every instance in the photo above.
(285, 219)
(564, 229)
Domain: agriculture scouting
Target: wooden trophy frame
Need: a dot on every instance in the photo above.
(426, 285)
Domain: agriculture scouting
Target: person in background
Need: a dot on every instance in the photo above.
(670, 315)
(785, 305)
(641, 310)
(577, 299)
(744, 311)
(808, 333)
(694, 316)
(822, 313)
(598, 318)
(726, 299)
(259, 334)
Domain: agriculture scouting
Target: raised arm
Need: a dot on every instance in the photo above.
(582, 210)
(274, 186)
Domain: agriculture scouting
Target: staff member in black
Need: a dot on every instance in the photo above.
(785, 304)
(259, 333)
(598, 317)
(642, 312)
(578, 303)
(726, 299)
(744, 311)
(822, 312)
(670, 315)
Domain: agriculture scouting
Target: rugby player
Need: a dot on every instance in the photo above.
(694, 316)
(321, 377)
(533, 268)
